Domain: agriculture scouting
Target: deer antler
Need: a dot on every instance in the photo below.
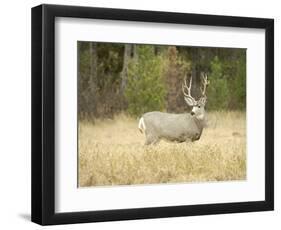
(184, 86)
(205, 84)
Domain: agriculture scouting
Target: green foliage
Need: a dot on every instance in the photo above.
(227, 89)
(218, 92)
(149, 77)
(238, 84)
(146, 87)
(110, 62)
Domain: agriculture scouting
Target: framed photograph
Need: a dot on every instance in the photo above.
(141, 114)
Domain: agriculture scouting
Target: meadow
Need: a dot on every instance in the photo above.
(112, 152)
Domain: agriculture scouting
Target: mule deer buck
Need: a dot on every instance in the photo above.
(179, 128)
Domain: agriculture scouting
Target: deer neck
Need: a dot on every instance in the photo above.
(200, 125)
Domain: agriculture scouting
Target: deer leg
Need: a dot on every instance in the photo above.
(156, 141)
(148, 142)
(151, 140)
(188, 140)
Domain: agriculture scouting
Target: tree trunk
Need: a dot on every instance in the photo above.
(194, 57)
(135, 52)
(93, 78)
(124, 72)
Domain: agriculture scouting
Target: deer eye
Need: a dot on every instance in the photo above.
(199, 106)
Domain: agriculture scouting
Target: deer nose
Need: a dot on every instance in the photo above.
(192, 113)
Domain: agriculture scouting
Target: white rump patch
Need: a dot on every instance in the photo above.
(141, 125)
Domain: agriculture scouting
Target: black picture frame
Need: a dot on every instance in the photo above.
(43, 114)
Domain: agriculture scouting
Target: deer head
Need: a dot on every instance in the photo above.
(198, 107)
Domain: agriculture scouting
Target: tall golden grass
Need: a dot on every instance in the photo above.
(112, 152)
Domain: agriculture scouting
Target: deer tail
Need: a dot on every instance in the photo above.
(141, 125)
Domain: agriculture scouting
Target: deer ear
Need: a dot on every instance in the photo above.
(189, 100)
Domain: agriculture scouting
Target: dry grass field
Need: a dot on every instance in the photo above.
(112, 152)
